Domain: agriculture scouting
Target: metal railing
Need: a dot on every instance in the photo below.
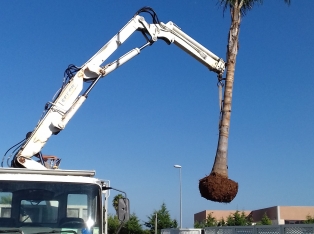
(181, 231)
(263, 229)
(256, 229)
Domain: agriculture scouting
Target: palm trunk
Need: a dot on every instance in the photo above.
(221, 159)
(217, 186)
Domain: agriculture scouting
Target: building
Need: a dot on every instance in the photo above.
(277, 214)
(217, 214)
(284, 214)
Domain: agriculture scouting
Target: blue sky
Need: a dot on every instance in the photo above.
(161, 108)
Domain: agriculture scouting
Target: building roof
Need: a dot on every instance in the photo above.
(280, 214)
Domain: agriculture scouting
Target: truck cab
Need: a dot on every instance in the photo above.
(45, 201)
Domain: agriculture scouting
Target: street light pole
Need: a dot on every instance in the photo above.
(156, 223)
(178, 166)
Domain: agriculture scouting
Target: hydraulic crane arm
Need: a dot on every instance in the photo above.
(70, 97)
(171, 33)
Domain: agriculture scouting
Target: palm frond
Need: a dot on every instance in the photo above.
(288, 2)
(247, 5)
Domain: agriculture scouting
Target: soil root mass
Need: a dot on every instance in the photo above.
(218, 188)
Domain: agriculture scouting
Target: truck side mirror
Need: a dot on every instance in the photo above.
(124, 209)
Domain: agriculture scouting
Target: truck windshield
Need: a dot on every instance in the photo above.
(33, 207)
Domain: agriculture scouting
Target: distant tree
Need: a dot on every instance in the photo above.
(163, 220)
(221, 222)
(115, 202)
(113, 224)
(210, 221)
(309, 219)
(6, 199)
(238, 219)
(132, 226)
(198, 224)
(265, 220)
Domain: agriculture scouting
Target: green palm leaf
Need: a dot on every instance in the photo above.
(244, 5)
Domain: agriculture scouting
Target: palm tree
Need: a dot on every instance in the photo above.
(217, 186)
(115, 202)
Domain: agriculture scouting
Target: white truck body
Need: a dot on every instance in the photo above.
(33, 201)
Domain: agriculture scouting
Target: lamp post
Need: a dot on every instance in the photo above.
(179, 167)
(156, 223)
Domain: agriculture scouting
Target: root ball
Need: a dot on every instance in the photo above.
(218, 188)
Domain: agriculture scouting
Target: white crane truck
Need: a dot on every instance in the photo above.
(37, 197)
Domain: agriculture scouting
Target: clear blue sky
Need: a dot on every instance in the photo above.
(161, 108)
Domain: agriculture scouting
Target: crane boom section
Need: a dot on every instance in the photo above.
(70, 97)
